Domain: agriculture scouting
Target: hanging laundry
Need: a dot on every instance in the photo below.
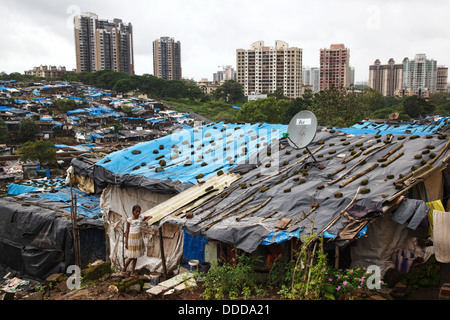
(434, 205)
(441, 235)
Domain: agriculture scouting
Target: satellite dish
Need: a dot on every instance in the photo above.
(302, 130)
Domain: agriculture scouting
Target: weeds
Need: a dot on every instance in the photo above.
(306, 277)
(231, 280)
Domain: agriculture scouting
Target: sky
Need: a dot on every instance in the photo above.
(40, 32)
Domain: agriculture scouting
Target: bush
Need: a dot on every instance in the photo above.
(346, 282)
(44, 151)
(231, 280)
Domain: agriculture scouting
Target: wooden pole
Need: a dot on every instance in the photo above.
(336, 256)
(163, 258)
(77, 237)
(75, 231)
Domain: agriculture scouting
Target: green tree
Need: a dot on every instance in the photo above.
(295, 106)
(28, 128)
(336, 107)
(267, 110)
(371, 100)
(41, 150)
(416, 106)
(230, 91)
(4, 132)
(152, 86)
(65, 105)
(442, 103)
(125, 85)
(278, 94)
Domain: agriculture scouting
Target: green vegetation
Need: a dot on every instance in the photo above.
(306, 277)
(28, 128)
(422, 276)
(41, 150)
(337, 107)
(213, 110)
(4, 132)
(231, 280)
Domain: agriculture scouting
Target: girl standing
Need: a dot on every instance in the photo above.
(134, 242)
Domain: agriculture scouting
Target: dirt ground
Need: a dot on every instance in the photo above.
(116, 286)
(101, 285)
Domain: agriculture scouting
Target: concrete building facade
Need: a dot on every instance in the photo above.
(311, 77)
(167, 58)
(420, 74)
(48, 71)
(227, 73)
(386, 78)
(334, 67)
(263, 69)
(102, 44)
(442, 79)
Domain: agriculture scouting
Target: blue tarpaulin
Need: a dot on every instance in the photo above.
(278, 237)
(415, 127)
(194, 247)
(221, 145)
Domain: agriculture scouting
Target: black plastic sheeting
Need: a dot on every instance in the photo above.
(37, 242)
(102, 177)
(291, 199)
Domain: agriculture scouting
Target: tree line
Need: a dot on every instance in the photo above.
(338, 107)
(333, 107)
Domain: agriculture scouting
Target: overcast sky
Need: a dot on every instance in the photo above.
(40, 32)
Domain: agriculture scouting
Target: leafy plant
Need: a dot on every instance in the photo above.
(41, 150)
(231, 280)
(346, 281)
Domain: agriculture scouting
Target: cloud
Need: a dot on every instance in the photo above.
(41, 32)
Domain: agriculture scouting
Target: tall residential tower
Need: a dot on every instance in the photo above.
(167, 58)
(386, 78)
(264, 69)
(334, 67)
(420, 74)
(103, 44)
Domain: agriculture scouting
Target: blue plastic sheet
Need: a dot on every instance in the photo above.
(87, 205)
(16, 189)
(194, 247)
(419, 128)
(221, 145)
(279, 237)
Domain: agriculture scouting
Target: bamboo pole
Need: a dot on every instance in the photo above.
(163, 257)
(253, 210)
(398, 155)
(228, 213)
(358, 175)
(335, 219)
(302, 218)
(310, 154)
(357, 164)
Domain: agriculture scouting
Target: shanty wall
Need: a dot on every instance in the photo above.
(117, 203)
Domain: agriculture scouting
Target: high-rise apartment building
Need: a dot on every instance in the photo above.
(311, 77)
(102, 44)
(351, 76)
(442, 79)
(167, 58)
(386, 78)
(419, 74)
(334, 67)
(263, 69)
(226, 74)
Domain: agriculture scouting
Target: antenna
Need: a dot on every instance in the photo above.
(302, 130)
